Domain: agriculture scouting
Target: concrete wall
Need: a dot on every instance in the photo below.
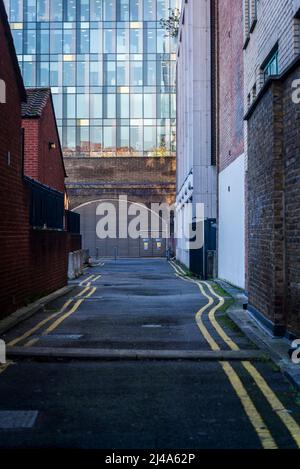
(231, 239)
(196, 177)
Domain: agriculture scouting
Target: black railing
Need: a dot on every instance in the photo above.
(46, 206)
(73, 222)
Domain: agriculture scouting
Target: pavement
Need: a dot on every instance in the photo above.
(140, 356)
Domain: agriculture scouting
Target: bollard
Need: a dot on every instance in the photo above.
(2, 352)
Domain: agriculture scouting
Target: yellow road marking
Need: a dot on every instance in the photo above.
(214, 346)
(250, 409)
(86, 280)
(275, 403)
(69, 313)
(215, 323)
(31, 342)
(254, 416)
(83, 291)
(38, 326)
(96, 278)
(4, 366)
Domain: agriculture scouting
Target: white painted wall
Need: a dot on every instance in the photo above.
(232, 223)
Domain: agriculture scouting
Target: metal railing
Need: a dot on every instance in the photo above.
(72, 222)
(46, 206)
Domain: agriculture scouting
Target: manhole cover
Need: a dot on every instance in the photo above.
(17, 418)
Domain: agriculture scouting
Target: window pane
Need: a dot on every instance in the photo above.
(82, 74)
(96, 41)
(16, 11)
(84, 10)
(18, 40)
(110, 73)
(69, 106)
(149, 10)
(109, 10)
(56, 41)
(136, 73)
(109, 40)
(30, 10)
(96, 10)
(136, 41)
(70, 10)
(29, 73)
(150, 140)
(123, 145)
(96, 73)
(43, 74)
(123, 106)
(96, 106)
(136, 140)
(109, 141)
(96, 141)
(69, 74)
(122, 41)
(109, 106)
(69, 141)
(83, 106)
(69, 41)
(122, 73)
(149, 106)
(122, 10)
(136, 10)
(136, 106)
(43, 10)
(83, 141)
(43, 41)
(56, 10)
(30, 42)
(54, 80)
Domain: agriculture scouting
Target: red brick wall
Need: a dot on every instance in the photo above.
(13, 201)
(230, 81)
(48, 262)
(274, 201)
(75, 242)
(41, 163)
(31, 147)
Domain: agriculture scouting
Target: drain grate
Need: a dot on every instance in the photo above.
(17, 419)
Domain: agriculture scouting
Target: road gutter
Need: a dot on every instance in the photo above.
(27, 311)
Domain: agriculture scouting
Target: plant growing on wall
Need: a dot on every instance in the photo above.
(171, 24)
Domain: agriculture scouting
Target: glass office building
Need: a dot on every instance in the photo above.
(111, 68)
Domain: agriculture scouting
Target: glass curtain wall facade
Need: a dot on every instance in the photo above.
(111, 69)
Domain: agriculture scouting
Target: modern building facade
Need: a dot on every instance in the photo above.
(196, 165)
(111, 68)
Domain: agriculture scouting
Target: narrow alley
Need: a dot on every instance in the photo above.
(141, 355)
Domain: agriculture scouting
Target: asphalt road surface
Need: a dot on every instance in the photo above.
(148, 306)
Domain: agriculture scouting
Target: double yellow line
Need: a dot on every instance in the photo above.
(254, 416)
(59, 317)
